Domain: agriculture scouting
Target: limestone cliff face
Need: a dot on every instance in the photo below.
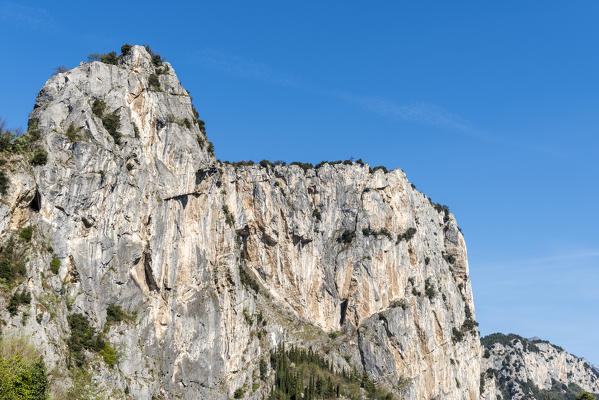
(517, 368)
(354, 263)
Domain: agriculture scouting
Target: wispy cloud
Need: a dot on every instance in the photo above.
(429, 114)
(30, 17)
(244, 68)
(416, 112)
(424, 113)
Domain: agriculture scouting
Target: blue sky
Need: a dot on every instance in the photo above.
(489, 107)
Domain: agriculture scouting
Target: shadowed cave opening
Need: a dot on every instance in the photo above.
(343, 311)
(36, 202)
(150, 281)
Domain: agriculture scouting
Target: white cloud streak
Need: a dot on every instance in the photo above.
(421, 113)
(30, 17)
(429, 114)
(241, 67)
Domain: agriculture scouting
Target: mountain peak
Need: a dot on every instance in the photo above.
(130, 109)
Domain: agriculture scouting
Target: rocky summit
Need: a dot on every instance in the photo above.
(138, 266)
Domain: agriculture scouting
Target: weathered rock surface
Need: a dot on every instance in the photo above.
(222, 262)
(517, 368)
(151, 221)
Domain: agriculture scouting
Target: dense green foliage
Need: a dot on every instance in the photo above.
(39, 157)
(22, 372)
(380, 167)
(54, 265)
(304, 374)
(407, 235)
(468, 326)
(399, 303)
(247, 280)
(316, 214)
(507, 340)
(107, 58)
(302, 165)
(346, 237)
(110, 121)
(201, 141)
(344, 162)
(210, 148)
(110, 58)
(456, 335)
(429, 289)
(196, 118)
(15, 142)
(116, 314)
(154, 82)
(4, 181)
(72, 133)
(17, 299)
(98, 107)
(156, 58)
(441, 208)
(59, 70)
(26, 233)
(84, 337)
(558, 391)
(380, 232)
(12, 262)
(263, 368)
(448, 257)
(242, 163)
(229, 218)
(126, 49)
(108, 354)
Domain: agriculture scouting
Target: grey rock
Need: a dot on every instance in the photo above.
(517, 367)
(154, 223)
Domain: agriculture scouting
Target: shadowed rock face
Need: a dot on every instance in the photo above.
(517, 368)
(153, 222)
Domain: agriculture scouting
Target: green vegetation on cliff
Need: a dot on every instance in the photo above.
(22, 372)
(304, 374)
(84, 337)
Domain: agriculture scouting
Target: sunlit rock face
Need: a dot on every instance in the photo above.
(352, 262)
(513, 367)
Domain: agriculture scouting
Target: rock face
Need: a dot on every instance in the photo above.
(517, 368)
(144, 217)
(216, 264)
(222, 262)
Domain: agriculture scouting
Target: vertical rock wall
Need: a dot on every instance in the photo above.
(338, 257)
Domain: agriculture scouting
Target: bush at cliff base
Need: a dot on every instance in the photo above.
(22, 372)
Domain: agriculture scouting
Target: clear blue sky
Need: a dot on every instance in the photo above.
(489, 107)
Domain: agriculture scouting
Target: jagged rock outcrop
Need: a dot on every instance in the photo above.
(517, 368)
(354, 263)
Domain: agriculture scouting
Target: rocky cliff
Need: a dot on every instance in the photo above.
(517, 368)
(193, 270)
